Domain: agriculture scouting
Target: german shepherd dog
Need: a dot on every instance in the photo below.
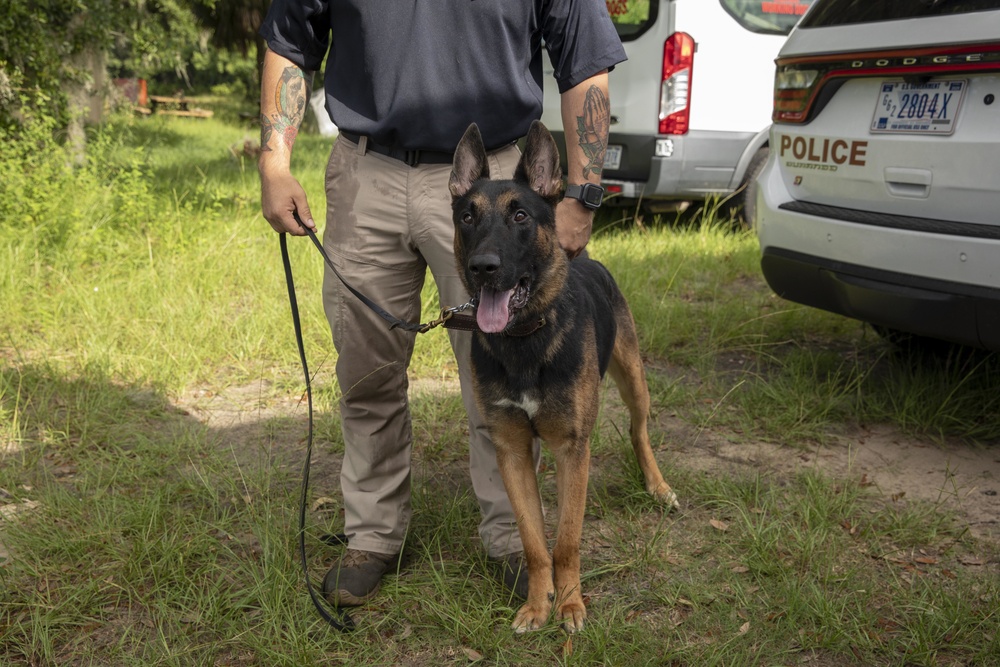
(548, 330)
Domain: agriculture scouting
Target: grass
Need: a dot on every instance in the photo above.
(135, 531)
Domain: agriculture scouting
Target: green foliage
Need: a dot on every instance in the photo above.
(61, 207)
(34, 168)
(225, 73)
(38, 38)
(159, 36)
(42, 45)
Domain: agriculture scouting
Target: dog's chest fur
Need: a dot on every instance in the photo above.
(529, 403)
(539, 372)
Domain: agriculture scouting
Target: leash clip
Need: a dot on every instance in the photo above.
(446, 314)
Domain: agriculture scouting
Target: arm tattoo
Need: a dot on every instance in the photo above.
(592, 128)
(290, 97)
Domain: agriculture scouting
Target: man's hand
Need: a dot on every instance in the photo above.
(574, 223)
(281, 197)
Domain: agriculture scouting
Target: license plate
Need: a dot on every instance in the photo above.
(613, 157)
(918, 108)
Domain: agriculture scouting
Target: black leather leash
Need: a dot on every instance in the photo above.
(449, 316)
(339, 619)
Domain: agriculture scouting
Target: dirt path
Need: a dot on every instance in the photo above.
(955, 476)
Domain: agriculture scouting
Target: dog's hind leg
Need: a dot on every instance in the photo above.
(627, 371)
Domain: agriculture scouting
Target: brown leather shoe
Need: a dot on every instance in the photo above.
(356, 577)
(512, 571)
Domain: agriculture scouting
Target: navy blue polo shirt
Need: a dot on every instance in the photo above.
(413, 74)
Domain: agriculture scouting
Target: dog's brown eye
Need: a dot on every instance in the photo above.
(520, 216)
(467, 218)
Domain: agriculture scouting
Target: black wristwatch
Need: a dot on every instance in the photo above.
(590, 195)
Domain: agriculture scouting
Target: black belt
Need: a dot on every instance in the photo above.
(408, 157)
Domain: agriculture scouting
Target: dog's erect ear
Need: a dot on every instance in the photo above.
(539, 166)
(470, 162)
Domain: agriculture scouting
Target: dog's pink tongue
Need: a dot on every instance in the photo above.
(492, 313)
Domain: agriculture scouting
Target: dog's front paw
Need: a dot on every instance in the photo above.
(572, 615)
(665, 495)
(531, 617)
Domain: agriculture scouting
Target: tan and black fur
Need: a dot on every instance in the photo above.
(564, 323)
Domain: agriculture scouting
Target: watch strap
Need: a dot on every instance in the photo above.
(588, 194)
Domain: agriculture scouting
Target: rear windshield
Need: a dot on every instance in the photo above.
(774, 17)
(847, 12)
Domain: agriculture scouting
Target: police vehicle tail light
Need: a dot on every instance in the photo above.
(675, 89)
(793, 93)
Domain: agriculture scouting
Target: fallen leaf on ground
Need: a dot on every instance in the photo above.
(324, 503)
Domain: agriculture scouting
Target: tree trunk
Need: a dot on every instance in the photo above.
(86, 98)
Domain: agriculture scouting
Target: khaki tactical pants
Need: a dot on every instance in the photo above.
(386, 223)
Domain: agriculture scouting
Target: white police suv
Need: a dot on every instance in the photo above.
(881, 197)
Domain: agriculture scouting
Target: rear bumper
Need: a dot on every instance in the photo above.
(703, 164)
(937, 309)
(933, 278)
(700, 164)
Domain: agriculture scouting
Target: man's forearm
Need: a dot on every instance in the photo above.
(283, 99)
(284, 93)
(586, 115)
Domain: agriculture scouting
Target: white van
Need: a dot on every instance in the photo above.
(691, 107)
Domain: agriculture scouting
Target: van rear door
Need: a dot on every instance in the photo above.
(643, 26)
(695, 67)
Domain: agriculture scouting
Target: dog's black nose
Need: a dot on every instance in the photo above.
(484, 263)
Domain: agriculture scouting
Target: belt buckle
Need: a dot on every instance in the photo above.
(411, 158)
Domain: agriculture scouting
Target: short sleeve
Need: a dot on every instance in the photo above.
(298, 30)
(581, 40)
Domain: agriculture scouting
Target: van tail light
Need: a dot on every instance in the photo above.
(675, 87)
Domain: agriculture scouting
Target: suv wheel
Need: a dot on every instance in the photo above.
(744, 203)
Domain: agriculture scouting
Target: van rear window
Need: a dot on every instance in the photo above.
(632, 17)
(772, 17)
(848, 12)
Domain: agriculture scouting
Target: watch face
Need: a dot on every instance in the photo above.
(588, 194)
(593, 195)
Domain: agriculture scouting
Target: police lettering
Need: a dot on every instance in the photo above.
(824, 151)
